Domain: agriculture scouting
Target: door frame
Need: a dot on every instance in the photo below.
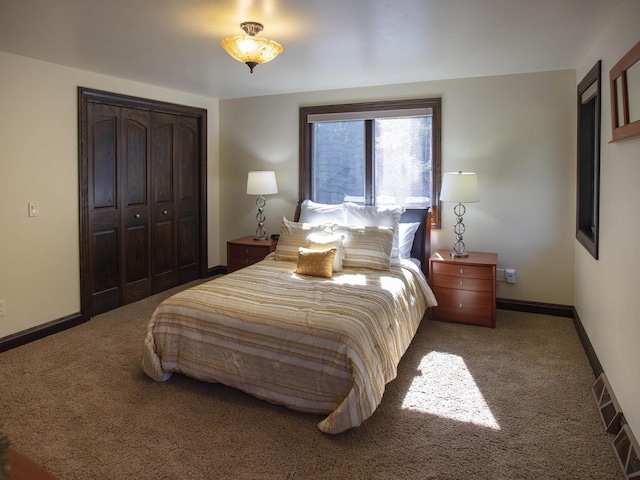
(86, 96)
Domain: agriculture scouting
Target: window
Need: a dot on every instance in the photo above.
(588, 188)
(379, 153)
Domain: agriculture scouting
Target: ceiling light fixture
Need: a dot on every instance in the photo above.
(249, 49)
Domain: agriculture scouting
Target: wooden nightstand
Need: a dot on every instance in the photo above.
(464, 287)
(246, 251)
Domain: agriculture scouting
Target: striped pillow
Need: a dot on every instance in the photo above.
(366, 247)
(294, 235)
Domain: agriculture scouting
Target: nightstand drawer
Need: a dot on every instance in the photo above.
(464, 306)
(463, 283)
(460, 270)
(248, 251)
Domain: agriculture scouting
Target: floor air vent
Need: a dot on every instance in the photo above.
(610, 411)
(624, 444)
(627, 450)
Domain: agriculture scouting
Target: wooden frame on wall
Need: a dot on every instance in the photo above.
(625, 96)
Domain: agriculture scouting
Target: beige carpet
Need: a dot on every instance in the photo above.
(468, 403)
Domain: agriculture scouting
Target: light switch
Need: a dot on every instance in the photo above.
(34, 209)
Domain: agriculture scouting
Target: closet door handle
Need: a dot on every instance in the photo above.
(137, 215)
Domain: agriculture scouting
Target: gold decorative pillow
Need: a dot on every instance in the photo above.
(317, 263)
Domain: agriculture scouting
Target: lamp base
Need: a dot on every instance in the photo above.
(262, 239)
(459, 255)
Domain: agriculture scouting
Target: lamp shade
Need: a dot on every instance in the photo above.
(459, 187)
(261, 183)
(249, 49)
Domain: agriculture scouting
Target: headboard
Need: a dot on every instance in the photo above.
(422, 241)
(421, 248)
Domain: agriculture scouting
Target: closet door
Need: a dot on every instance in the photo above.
(187, 196)
(119, 206)
(104, 216)
(143, 210)
(136, 214)
(175, 200)
(163, 208)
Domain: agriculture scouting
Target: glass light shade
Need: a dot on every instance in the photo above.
(249, 49)
(459, 187)
(261, 183)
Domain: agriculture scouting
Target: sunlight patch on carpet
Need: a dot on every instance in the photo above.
(445, 387)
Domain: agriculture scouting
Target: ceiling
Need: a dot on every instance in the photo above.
(327, 43)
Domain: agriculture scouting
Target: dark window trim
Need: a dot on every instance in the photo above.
(305, 181)
(588, 174)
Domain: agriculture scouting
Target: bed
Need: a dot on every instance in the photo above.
(325, 345)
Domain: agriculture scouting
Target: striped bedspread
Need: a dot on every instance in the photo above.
(318, 345)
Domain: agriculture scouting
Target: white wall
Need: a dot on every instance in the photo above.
(517, 132)
(607, 295)
(39, 256)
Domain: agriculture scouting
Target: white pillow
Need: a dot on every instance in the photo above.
(294, 235)
(372, 215)
(406, 236)
(319, 213)
(366, 247)
(322, 241)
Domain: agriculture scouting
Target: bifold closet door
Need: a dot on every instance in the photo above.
(119, 214)
(175, 200)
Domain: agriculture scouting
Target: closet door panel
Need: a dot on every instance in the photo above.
(164, 259)
(106, 285)
(136, 260)
(136, 131)
(104, 135)
(187, 254)
(164, 251)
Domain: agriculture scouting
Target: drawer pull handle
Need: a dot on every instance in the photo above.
(137, 215)
(462, 270)
(460, 306)
(246, 251)
(164, 212)
(460, 282)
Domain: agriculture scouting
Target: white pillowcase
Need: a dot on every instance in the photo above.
(372, 215)
(319, 213)
(406, 236)
(322, 241)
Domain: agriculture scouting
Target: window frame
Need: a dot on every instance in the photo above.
(305, 188)
(588, 163)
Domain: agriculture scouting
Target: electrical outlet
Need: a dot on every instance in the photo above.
(1, 308)
(511, 275)
(500, 274)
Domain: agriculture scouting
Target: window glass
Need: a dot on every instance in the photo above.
(402, 164)
(339, 162)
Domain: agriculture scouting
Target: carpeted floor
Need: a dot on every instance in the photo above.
(509, 403)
